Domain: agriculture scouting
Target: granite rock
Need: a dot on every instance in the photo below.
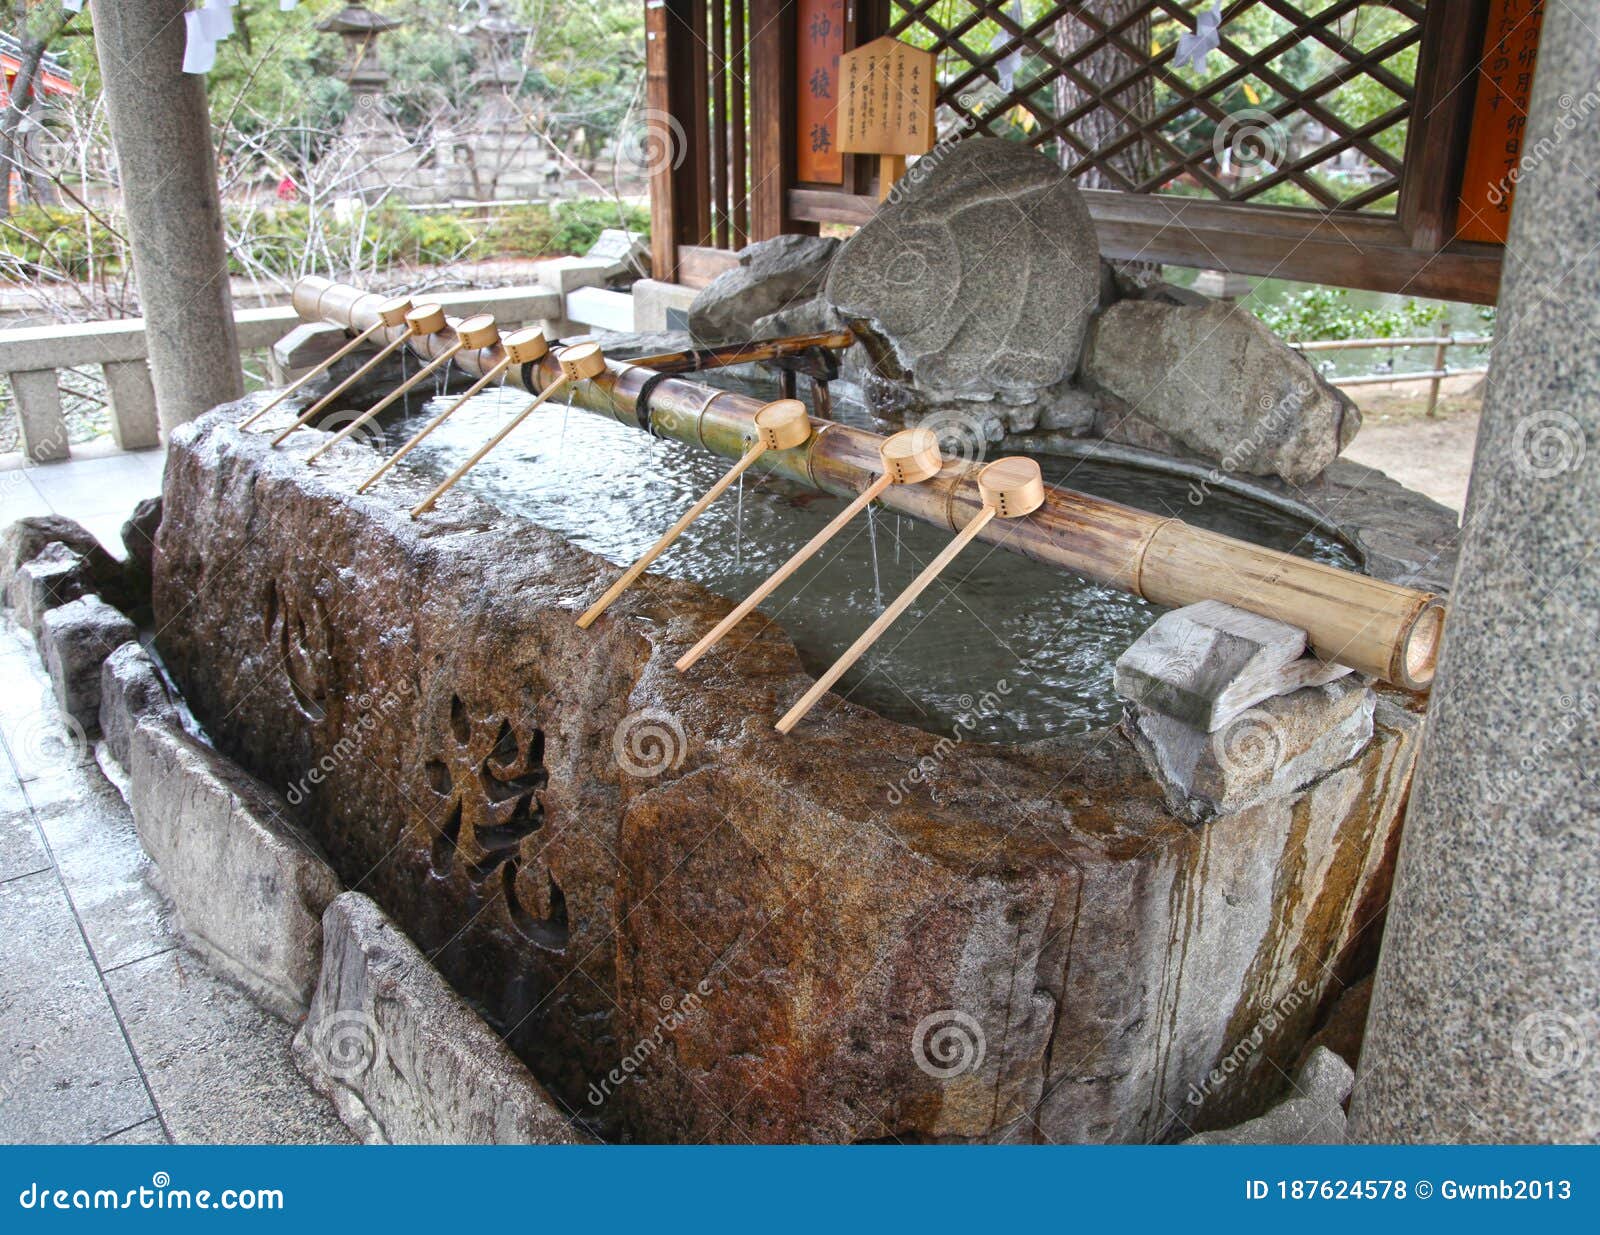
(75, 640)
(404, 1059)
(139, 539)
(1218, 381)
(131, 690)
(771, 275)
(249, 886)
(56, 575)
(1312, 1114)
(978, 281)
(1273, 750)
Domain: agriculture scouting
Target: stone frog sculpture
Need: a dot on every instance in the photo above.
(979, 275)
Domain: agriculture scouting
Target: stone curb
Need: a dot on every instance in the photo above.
(403, 1057)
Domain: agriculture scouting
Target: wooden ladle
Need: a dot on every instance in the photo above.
(522, 347)
(578, 362)
(909, 457)
(1010, 488)
(390, 313)
(474, 333)
(779, 426)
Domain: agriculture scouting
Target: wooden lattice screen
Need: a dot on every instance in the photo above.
(1301, 104)
(1315, 139)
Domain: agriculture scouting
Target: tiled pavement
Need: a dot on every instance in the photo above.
(109, 1030)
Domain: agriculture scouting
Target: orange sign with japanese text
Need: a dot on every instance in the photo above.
(1499, 119)
(821, 44)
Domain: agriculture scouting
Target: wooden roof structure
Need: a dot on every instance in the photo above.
(1366, 143)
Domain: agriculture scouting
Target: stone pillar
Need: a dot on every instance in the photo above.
(162, 135)
(1483, 1023)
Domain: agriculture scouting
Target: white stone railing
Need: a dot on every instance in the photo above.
(568, 299)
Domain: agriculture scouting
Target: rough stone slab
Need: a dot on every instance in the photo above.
(771, 275)
(21, 852)
(135, 423)
(1313, 1114)
(23, 540)
(1270, 751)
(131, 690)
(75, 640)
(248, 885)
(976, 279)
(488, 813)
(1205, 664)
(55, 576)
(139, 539)
(37, 396)
(627, 252)
(1218, 381)
(404, 1058)
(219, 1066)
(66, 1073)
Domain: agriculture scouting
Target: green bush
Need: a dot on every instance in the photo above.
(1326, 313)
(56, 240)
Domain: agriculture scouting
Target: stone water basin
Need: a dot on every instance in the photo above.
(690, 927)
(1034, 644)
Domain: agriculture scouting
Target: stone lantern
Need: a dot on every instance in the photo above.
(359, 27)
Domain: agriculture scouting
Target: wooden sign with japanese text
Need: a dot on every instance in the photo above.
(819, 48)
(886, 99)
(1499, 119)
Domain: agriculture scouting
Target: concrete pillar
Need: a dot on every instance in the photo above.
(1484, 1015)
(162, 135)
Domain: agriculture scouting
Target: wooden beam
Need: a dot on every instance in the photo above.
(772, 120)
(677, 142)
(1372, 252)
(1441, 121)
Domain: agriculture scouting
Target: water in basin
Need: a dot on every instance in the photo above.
(1014, 649)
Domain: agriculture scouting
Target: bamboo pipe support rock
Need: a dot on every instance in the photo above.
(578, 363)
(390, 313)
(779, 426)
(909, 457)
(1011, 488)
(474, 334)
(422, 320)
(1385, 629)
(522, 347)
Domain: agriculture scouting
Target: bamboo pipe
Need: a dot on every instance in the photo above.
(695, 360)
(1379, 628)
(523, 347)
(779, 426)
(578, 362)
(909, 457)
(476, 332)
(392, 312)
(1012, 488)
